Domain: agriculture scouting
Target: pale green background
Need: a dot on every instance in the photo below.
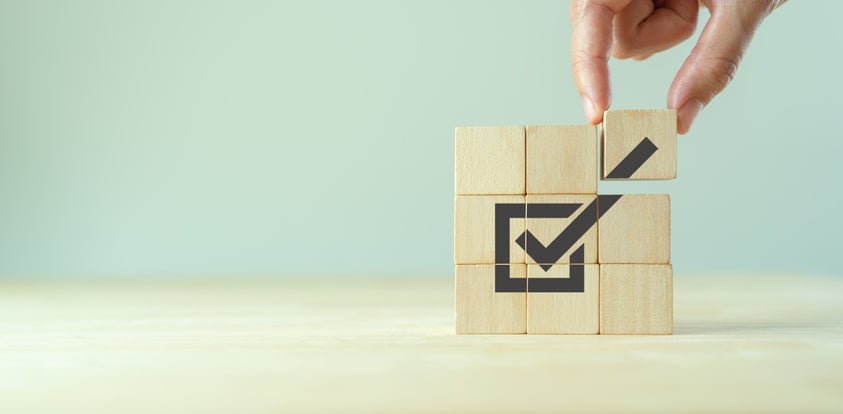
(283, 138)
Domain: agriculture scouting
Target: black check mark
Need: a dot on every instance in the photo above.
(564, 241)
(538, 251)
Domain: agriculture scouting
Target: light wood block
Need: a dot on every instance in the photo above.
(475, 232)
(636, 299)
(562, 159)
(547, 230)
(490, 160)
(481, 310)
(626, 155)
(635, 229)
(564, 312)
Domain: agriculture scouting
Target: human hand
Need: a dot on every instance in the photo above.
(639, 28)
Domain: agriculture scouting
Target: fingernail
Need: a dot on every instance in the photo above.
(590, 109)
(687, 113)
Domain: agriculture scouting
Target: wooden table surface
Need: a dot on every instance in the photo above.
(742, 343)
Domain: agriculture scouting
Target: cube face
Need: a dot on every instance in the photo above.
(490, 160)
(562, 159)
(482, 310)
(564, 312)
(477, 231)
(636, 299)
(635, 229)
(639, 145)
(549, 225)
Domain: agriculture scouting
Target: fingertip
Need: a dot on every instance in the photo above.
(687, 114)
(593, 113)
(598, 119)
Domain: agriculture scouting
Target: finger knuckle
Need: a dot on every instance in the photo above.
(721, 71)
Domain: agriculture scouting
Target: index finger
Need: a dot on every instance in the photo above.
(591, 45)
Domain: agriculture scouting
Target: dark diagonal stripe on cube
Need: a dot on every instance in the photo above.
(634, 160)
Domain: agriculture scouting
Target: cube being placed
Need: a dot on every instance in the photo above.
(636, 299)
(562, 159)
(639, 145)
(490, 160)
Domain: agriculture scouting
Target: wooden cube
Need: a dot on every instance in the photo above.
(557, 225)
(639, 145)
(634, 228)
(562, 159)
(490, 160)
(636, 299)
(482, 310)
(485, 229)
(564, 312)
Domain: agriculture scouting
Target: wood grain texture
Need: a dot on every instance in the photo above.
(564, 312)
(743, 343)
(624, 130)
(547, 229)
(490, 160)
(636, 299)
(481, 310)
(474, 229)
(562, 159)
(636, 229)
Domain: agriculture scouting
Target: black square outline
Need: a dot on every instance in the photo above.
(503, 282)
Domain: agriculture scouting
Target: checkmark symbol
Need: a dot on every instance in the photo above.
(547, 255)
(537, 251)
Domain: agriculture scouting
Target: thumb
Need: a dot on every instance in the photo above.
(711, 65)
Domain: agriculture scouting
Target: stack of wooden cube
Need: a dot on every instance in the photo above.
(538, 251)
